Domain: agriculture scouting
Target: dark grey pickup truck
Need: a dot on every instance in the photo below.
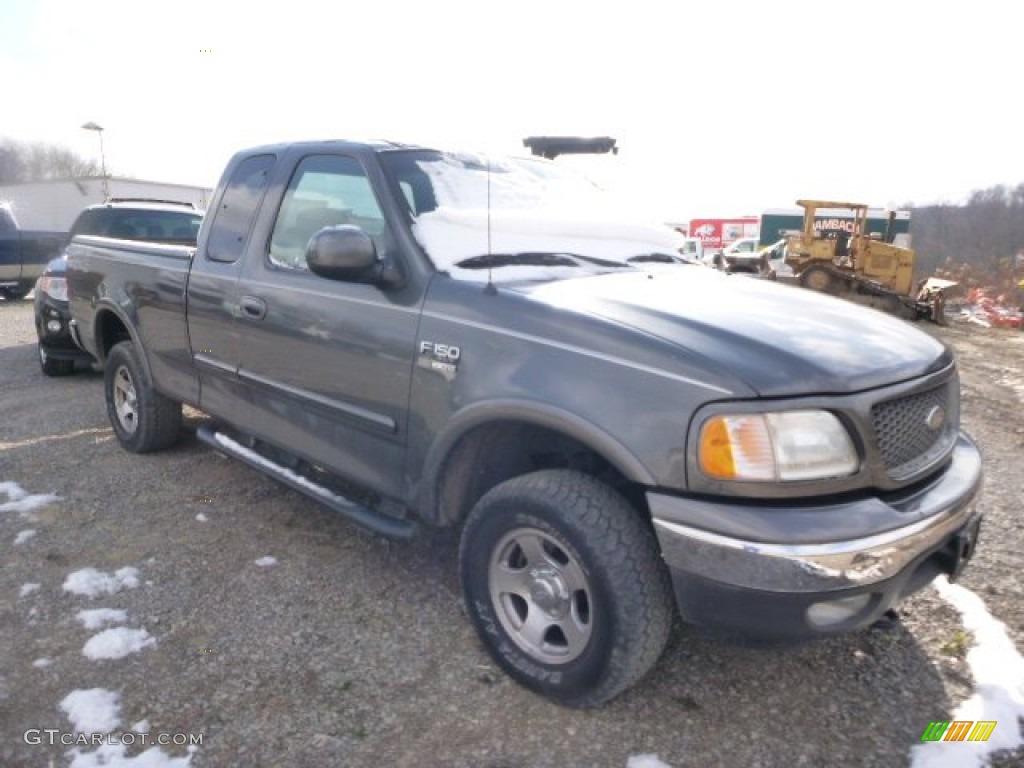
(23, 255)
(415, 337)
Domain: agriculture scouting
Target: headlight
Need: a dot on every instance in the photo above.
(54, 287)
(789, 445)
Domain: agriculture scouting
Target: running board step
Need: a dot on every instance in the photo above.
(384, 525)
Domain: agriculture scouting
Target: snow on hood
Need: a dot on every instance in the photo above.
(510, 205)
(449, 235)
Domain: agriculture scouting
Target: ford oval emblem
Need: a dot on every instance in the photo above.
(936, 418)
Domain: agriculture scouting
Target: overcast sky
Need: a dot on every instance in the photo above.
(720, 108)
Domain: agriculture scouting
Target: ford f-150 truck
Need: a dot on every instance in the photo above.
(23, 255)
(412, 337)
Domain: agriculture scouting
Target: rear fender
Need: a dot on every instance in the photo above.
(104, 308)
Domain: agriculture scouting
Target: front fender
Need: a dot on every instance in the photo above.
(523, 412)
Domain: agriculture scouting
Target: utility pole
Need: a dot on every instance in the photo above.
(90, 126)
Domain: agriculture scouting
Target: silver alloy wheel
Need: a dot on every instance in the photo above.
(125, 401)
(541, 595)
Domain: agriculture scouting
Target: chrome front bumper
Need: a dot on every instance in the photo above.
(784, 561)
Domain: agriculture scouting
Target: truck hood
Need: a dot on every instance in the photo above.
(779, 340)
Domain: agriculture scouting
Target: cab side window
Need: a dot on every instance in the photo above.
(234, 217)
(325, 191)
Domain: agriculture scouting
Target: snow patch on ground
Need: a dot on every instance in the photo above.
(645, 761)
(95, 710)
(19, 500)
(28, 589)
(98, 617)
(13, 491)
(117, 643)
(201, 517)
(142, 726)
(998, 671)
(93, 583)
(265, 562)
(24, 536)
(42, 663)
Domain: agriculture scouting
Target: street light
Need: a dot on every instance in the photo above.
(90, 126)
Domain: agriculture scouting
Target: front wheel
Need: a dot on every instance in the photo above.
(15, 292)
(143, 419)
(818, 278)
(53, 367)
(564, 583)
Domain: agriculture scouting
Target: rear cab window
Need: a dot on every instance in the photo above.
(233, 219)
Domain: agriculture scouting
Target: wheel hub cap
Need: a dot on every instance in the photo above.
(549, 592)
(125, 400)
(541, 595)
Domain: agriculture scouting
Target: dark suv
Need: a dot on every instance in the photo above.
(158, 222)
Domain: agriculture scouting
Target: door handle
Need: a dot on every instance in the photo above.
(253, 308)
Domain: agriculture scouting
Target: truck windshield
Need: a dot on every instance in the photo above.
(522, 218)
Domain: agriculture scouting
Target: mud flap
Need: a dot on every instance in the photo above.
(962, 548)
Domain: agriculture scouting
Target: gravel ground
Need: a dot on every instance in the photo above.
(350, 650)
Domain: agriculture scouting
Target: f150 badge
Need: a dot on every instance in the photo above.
(443, 358)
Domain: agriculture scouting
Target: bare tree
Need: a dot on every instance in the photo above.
(10, 164)
(38, 161)
(975, 242)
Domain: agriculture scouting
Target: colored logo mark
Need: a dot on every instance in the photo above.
(959, 730)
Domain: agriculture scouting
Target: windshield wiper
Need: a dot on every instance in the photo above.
(534, 259)
(488, 260)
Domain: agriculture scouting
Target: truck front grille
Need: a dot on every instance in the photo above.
(908, 430)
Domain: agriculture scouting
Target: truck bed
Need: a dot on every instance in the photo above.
(147, 280)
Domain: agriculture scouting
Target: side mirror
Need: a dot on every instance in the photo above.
(346, 253)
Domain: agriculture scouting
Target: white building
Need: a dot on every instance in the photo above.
(53, 205)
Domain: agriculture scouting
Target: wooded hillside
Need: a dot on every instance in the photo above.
(975, 243)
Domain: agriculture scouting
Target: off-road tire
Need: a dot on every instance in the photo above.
(143, 419)
(588, 533)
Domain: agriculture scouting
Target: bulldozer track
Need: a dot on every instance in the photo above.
(837, 282)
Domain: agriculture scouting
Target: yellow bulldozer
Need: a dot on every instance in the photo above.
(860, 266)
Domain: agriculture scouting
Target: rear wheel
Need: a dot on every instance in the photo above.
(565, 585)
(143, 419)
(53, 367)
